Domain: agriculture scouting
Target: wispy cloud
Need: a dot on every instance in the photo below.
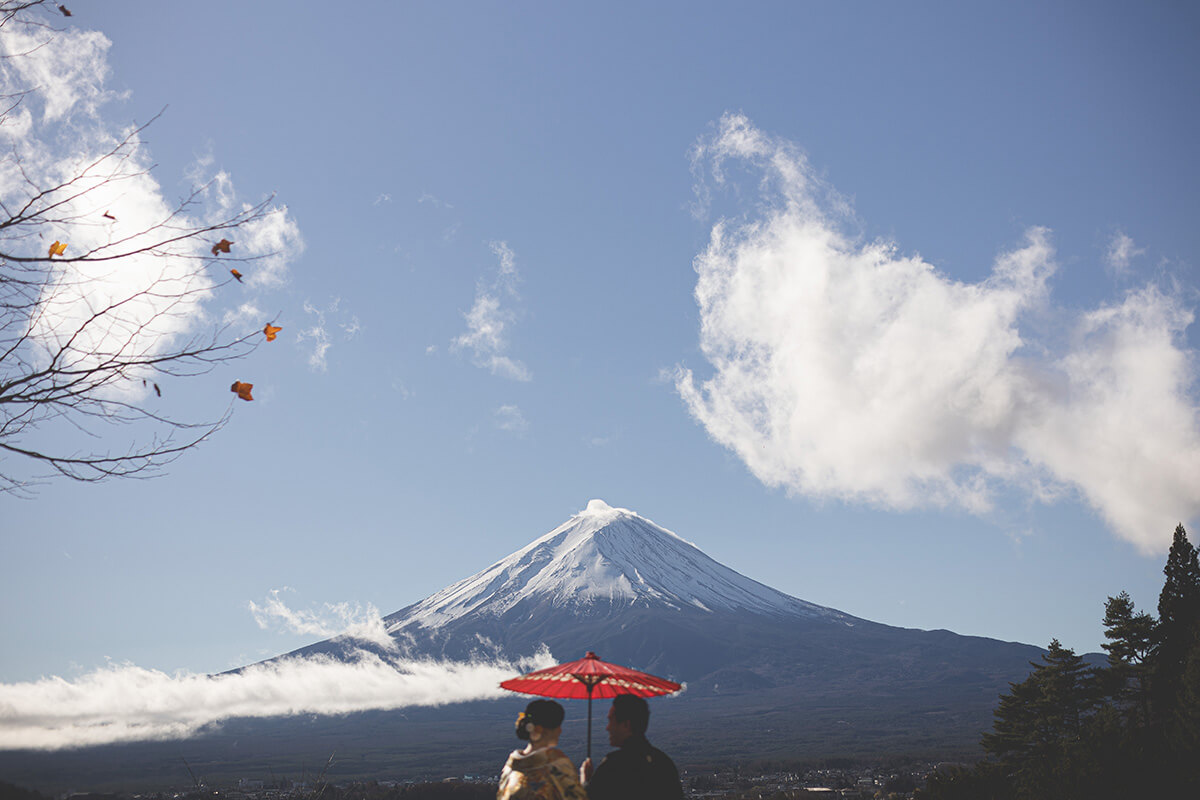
(509, 418)
(490, 317)
(843, 369)
(245, 315)
(1121, 252)
(318, 330)
(427, 198)
(128, 703)
(330, 620)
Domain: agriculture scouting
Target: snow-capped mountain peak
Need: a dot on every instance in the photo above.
(604, 557)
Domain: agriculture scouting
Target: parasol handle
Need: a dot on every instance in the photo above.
(589, 746)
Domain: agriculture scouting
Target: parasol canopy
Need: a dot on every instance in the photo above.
(590, 677)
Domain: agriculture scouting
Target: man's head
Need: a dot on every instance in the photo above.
(629, 716)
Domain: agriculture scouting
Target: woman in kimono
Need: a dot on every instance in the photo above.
(540, 771)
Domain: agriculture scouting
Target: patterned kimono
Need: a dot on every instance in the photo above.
(545, 774)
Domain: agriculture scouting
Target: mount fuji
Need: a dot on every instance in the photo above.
(769, 677)
(787, 674)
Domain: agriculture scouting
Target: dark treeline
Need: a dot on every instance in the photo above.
(355, 791)
(417, 791)
(1130, 729)
(10, 791)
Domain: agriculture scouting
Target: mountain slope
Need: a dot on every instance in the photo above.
(611, 581)
(767, 675)
(603, 559)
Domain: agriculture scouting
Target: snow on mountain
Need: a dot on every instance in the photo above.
(605, 557)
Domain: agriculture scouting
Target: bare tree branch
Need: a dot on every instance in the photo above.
(85, 334)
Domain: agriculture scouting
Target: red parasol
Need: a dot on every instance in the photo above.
(590, 677)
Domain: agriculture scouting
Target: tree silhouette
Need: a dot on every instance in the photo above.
(1178, 611)
(1132, 731)
(1131, 637)
(1176, 660)
(1040, 722)
(102, 280)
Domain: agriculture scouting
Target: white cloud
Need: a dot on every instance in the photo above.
(489, 320)
(129, 703)
(245, 315)
(332, 620)
(509, 418)
(1121, 252)
(273, 242)
(433, 200)
(845, 370)
(65, 69)
(319, 336)
(318, 331)
(508, 259)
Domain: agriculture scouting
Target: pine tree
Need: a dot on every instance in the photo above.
(1179, 601)
(1185, 726)
(1130, 634)
(1178, 617)
(1037, 732)
(1167, 755)
(1131, 639)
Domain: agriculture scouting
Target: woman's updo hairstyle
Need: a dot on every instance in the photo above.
(546, 713)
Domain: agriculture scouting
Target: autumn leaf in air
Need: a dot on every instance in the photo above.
(107, 215)
(58, 248)
(66, 11)
(236, 274)
(242, 389)
(221, 246)
(157, 390)
(271, 331)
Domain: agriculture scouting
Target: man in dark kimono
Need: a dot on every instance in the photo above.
(636, 770)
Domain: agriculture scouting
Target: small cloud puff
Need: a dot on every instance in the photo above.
(509, 418)
(489, 320)
(1121, 252)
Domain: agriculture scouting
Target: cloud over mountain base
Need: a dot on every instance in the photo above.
(127, 703)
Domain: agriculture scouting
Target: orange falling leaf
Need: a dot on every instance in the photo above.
(271, 331)
(221, 246)
(65, 11)
(242, 389)
(58, 248)
(236, 274)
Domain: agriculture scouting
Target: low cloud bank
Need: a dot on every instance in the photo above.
(128, 703)
(842, 369)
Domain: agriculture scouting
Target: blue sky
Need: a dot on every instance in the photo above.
(505, 210)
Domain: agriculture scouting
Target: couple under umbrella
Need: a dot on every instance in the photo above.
(541, 771)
